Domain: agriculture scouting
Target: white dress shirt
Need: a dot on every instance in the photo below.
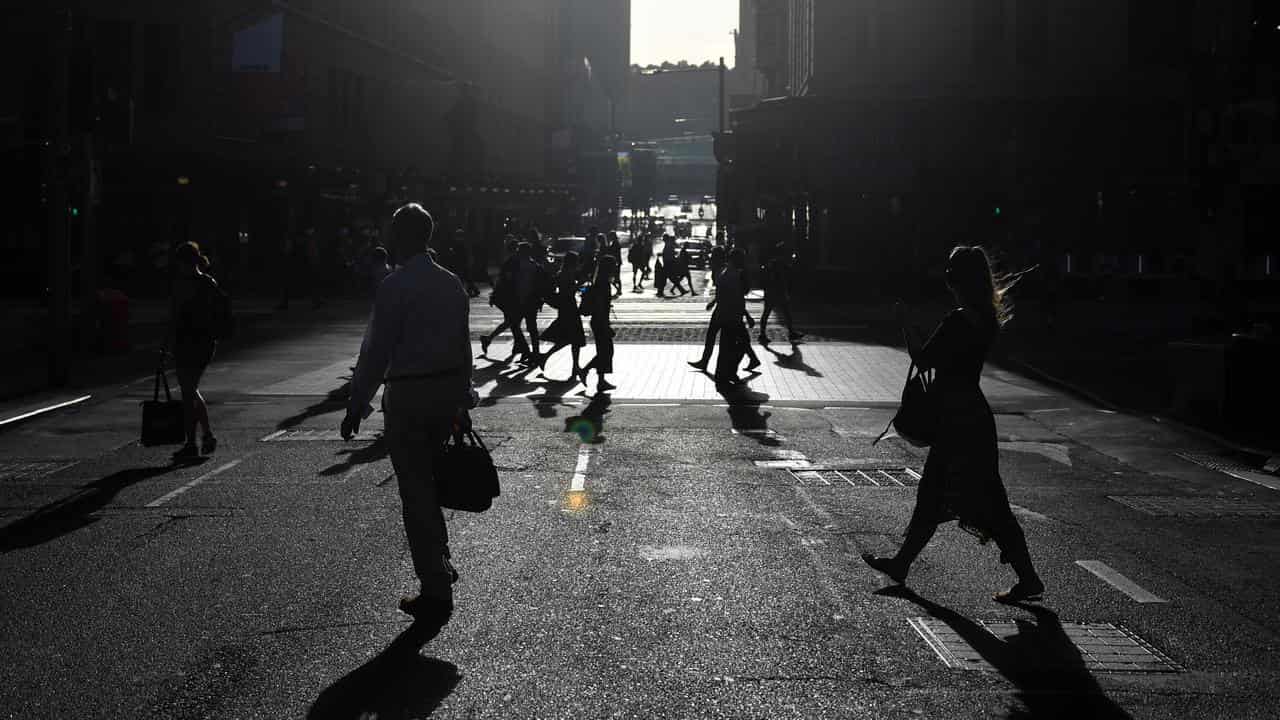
(419, 332)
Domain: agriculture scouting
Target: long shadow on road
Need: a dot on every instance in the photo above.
(396, 683)
(1041, 662)
(74, 512)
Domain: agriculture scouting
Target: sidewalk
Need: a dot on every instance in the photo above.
(1113, 353)
(24, 385)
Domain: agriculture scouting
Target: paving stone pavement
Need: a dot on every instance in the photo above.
(832, 373)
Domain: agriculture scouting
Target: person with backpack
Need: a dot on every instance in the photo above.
(200, 315)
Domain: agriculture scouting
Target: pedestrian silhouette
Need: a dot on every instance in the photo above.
(961, 479)
(418, 343)
(195, 327)
(597, 303)
(566, 329)
(729, 312)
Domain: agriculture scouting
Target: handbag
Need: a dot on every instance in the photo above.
(162, 419)
(917, 418)
(466, 478)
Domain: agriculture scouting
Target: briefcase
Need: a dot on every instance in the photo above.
(466, 478)
(162, 419)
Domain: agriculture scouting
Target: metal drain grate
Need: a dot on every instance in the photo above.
(761, 434)
(1096, 647)
(1196, 507)
(856, 477)
(31, 469)
(1234, 468)
(315, 436)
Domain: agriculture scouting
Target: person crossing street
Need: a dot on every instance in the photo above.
(418, 344)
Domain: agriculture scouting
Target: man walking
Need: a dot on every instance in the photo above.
(777, 294)
(418, 343)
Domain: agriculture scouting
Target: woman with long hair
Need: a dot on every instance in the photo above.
(566, 329)
(597, 303)
(961, 479)
(192, 342)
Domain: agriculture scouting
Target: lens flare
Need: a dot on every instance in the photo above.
(584, 429)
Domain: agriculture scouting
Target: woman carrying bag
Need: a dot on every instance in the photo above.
(961, 479)
(193, 338)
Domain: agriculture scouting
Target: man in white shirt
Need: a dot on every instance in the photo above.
(418, 343)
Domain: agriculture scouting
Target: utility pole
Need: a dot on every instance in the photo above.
(57, 170)
(723, 112)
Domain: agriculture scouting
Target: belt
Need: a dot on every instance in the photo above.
(452, 372)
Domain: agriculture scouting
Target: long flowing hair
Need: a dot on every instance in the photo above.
(978, 286)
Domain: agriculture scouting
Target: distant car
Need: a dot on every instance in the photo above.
(562, 246)
(699, 251)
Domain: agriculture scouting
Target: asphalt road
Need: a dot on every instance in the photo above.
(684, 573)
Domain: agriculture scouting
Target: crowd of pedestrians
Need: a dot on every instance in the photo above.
(417, 345)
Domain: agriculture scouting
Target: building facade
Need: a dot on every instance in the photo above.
(241, 124)
(1093, 137)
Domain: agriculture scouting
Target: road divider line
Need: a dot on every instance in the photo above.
(175, 493)
(41, 411)
(579, 482)
(1119, 582)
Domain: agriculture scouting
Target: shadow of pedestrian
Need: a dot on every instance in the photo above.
(552, 396)
(748, 420)
(589, 424)
(396, 683)
(71, 513)
(794, 361)
(1040, 660)
(361, 455)
(334, 401)
(506, 384)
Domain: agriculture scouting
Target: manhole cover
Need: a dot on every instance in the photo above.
(856, 477)
(315, 436)
(1026, 646)
(1207, 507)
(31, 469)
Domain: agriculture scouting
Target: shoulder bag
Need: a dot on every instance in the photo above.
(162, 419)
(917, 418)
(466, 478)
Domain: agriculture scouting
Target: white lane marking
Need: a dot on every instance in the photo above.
(1056, 452)
(273, 435)
(43, 410)
(175, 493)
(1119, 582)
(579, 482)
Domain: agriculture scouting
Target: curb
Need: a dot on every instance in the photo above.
(1269, 457)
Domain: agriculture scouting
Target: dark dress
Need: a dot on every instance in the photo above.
(194, 340)
(567, 327)
(961, 479)
(597, 303)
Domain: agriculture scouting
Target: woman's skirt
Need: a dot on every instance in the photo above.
(961, 479)
(602, 333)
(566, 329)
